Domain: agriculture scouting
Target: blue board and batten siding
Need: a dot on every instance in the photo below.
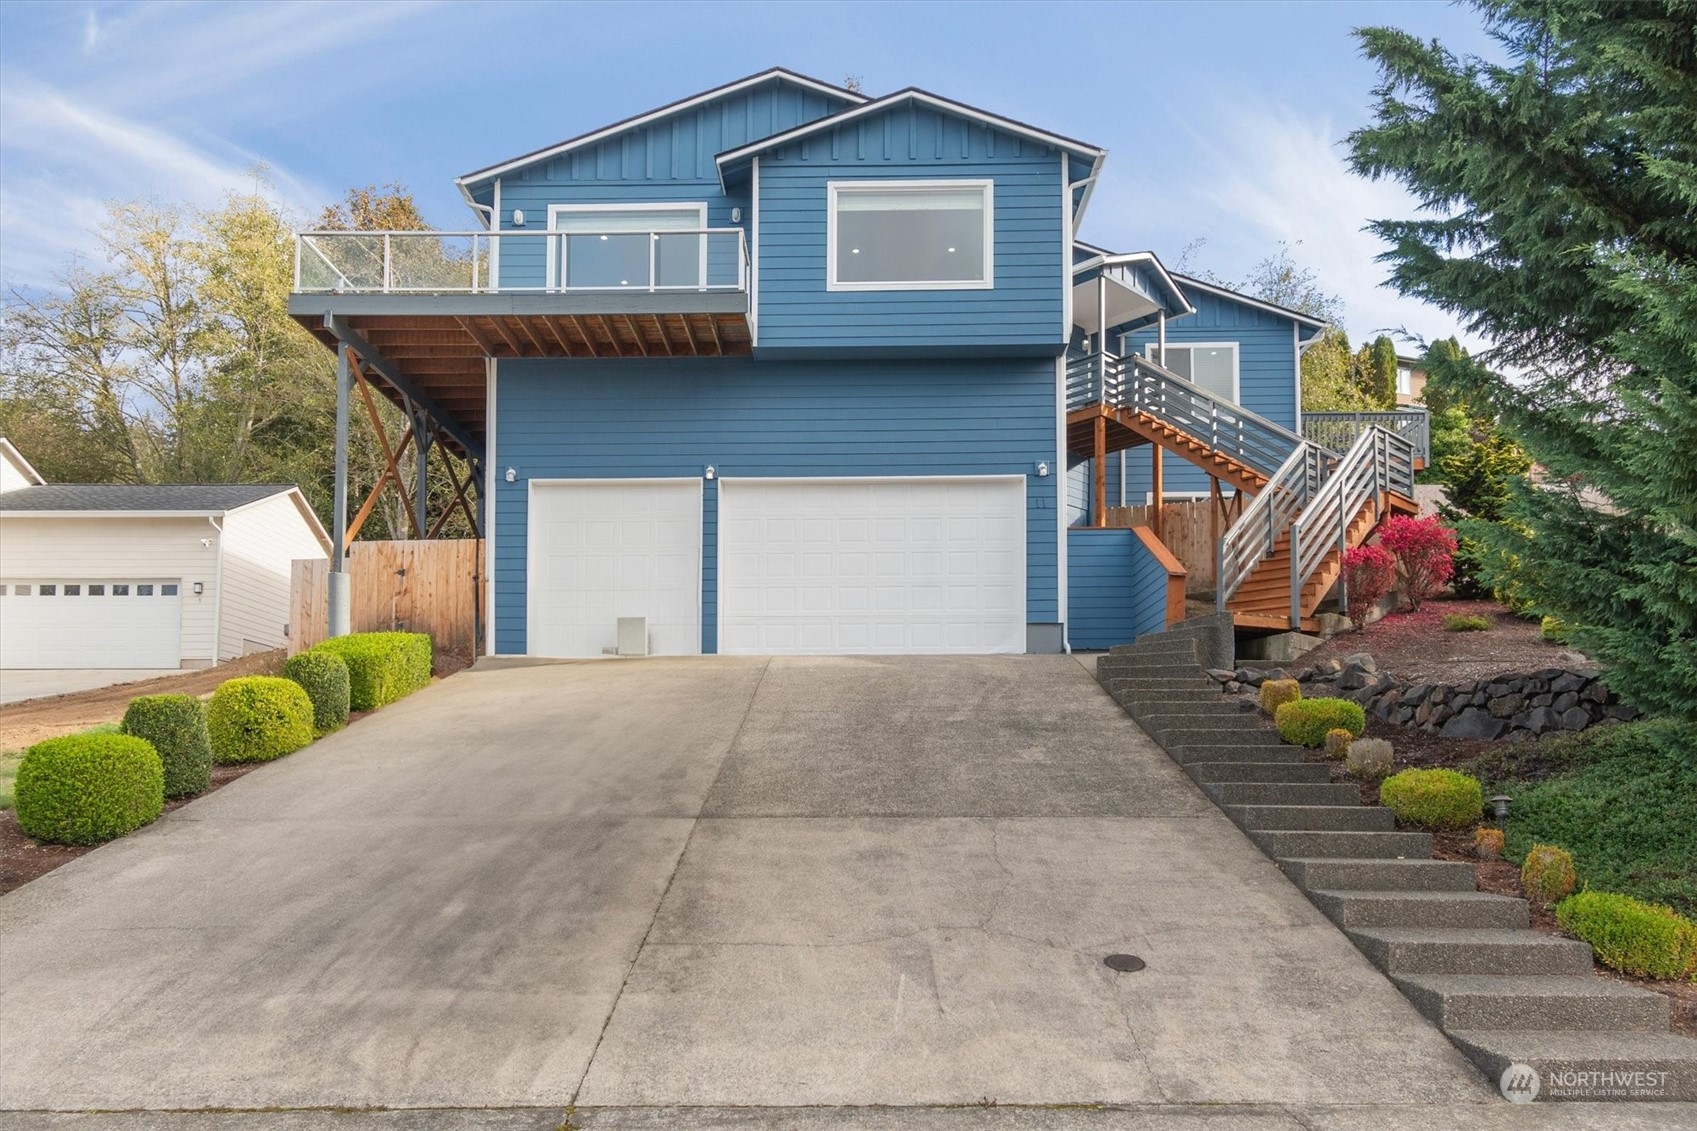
(1116, 590)
(1021, 314)
(662, 418)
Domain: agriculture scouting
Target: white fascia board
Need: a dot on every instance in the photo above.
(1109, 259)
(655, 115)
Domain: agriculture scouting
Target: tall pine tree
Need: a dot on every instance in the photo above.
(1558, 193)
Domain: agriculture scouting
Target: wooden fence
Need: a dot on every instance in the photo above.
(1188, 531)
(433, 586)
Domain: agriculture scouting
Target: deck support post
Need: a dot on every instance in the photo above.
(340, 615)
(421, 485)
(1157, 493)
(1099, 464)
(1215, 505)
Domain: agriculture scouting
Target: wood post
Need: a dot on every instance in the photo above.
(1158, 490)
(1099, 464)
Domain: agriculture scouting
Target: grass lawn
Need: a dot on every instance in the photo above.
(9, 760)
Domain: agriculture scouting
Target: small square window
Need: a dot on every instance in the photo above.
(48, 590)
(168, 590)
(23, 591)
(97, 590)
(73, 591)
(120, 590)
(144, 590)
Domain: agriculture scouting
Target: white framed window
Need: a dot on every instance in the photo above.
(1404, 381)
(626, 246)
(1213, 365)
(910, 235)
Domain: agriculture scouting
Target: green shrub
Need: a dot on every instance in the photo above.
(86, 788)
(1306, 721)
(382, 666)
(324, 678)
(1275, 692)
(257, 718)
(1369, 758)
(1553, 630)
(175, 725)
(1645, 939)
(1457, 622)
(1337, 743)
(1434, 799)
(1548, 875)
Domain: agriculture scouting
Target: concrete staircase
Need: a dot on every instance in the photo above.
(1502, 992)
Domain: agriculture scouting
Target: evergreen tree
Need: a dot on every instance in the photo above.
(1559, 190)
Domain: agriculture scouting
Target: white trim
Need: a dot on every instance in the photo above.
(556, 280)
(1296, 351)
(495, 239)
(138, 514)
(491, 475)
(877, 105)
(1107, 259)
(1270, 308)
(987, 189)
(1066, 256)
(301, 505)
(530, 562)
(10, 453)
(217, 589)
(1237, 361)
(1058, 472)
(1089, 183)
(666, 111)
(754, 256)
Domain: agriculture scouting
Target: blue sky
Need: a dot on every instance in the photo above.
(1222, 120)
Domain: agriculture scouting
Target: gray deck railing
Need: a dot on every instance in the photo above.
(1377, 462)
(1256, 532)
(1339, 430)
(1140, 385)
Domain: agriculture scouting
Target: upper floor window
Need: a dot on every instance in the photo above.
(909, 235)
(1213, 365)
(609, 246)
(1404, 381)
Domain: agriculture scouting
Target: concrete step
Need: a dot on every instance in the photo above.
(1281, 793)
(1286, 773)
(1344, 845)
(1282, 818)
(1170, 736)
(1311, 874)
(1353, 909)
(1156, 665)
(1155, 645)
(1227, 751)
(1226, 722)
(1536, 1001)
(1148, 687)
(1465, 950)
(1197, 701)
(1644, 1066)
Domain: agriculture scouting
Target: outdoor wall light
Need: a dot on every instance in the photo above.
(512, 475)
(1042, 469)
(1500, 803)
(199, 588)
(709, 473)
(736, 215)
(518, 217)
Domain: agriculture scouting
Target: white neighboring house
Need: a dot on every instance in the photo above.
(121, 576)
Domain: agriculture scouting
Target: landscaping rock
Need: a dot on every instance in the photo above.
(1595, 692)
(1476, 724)
(1567, 681)
(1416, 694)
(1565, 701)
(1506, 706)
(1353, 678)
(1576, 718)
(1221, 675)
(1538, 720)
(1362, 660)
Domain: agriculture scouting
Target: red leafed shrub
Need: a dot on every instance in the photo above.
(1369, 572)
(1425, 555)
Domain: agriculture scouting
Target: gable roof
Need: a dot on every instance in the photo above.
(170, 498)
(1102, 258)
(1296, 316)
(10, 453)
(1080, 149)
(773, 74)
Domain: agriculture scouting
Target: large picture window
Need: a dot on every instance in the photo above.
(910, 235)
(608, 247)
(1213, 365)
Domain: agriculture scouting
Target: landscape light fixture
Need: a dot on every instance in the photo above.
(1500, 803)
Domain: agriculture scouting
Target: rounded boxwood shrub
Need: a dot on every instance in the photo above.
(382, 666)
(324, 678)
(1547, 874)
(1369, 758)
(86, 788)
(176, 727)
(1306, 721)
(1645, 939)
(1434, 799)
(257, 718)
(1277, 691)
(1337, 742)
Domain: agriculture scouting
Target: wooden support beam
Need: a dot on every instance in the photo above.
(476, 335)
(391, 461)
(524, 324)
(1157, 484)
(1099, 502)
(559, 338)
(607, 328)
(689, 335)
(577, 328)
(641, 343)
(506, 336)
(718, 343)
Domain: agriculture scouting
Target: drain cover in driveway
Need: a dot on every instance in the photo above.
(1124, 963)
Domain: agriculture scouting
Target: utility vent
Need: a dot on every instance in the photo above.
(633, 636)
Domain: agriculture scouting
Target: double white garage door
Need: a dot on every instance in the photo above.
(809, 566)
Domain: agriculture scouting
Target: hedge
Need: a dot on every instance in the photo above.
(257, 718)
(1276, 692)
(1306, 721)
(1645, 939)
(175, 725)
(324, 678)
(382, 666)
(1548, 875)
(86, 788)
(1435, 799)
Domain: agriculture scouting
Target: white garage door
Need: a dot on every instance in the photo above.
(90, 624)
(601, 550)
(825, 566)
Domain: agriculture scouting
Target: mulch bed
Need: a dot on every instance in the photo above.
(1415, 647)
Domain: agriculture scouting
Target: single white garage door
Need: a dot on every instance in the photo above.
(91, 624)
(605, 549)
(821, 566)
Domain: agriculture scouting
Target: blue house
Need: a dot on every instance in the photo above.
(782, 368)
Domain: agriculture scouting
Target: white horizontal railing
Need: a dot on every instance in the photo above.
(1339, 430)
(671, 261)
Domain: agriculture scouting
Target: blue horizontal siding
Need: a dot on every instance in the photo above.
(1116, 589)
(587, 419)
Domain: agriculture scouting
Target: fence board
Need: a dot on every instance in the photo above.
(1187, 531)
(432, 586)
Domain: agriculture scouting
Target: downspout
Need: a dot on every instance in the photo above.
(217, 586)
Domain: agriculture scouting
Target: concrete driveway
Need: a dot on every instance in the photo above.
(677, 892)
(19, 684)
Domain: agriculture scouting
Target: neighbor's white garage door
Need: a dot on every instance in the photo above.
(872, 565)
(601, 550)
(91, 624)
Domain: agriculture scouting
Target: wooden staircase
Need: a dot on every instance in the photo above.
(1130, 427)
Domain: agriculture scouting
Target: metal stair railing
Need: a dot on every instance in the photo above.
(1377, 462)
(1256, 532)
(1338, 430)
(1140, 385)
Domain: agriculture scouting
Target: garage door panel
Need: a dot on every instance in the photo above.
(919, 565)
(121, 627)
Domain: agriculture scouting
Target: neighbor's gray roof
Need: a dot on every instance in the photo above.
(207, 498)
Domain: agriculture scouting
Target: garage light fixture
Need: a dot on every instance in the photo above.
(1042, 469)
(512, 475)
(199, 588)
(709, 473)
(518, 217)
